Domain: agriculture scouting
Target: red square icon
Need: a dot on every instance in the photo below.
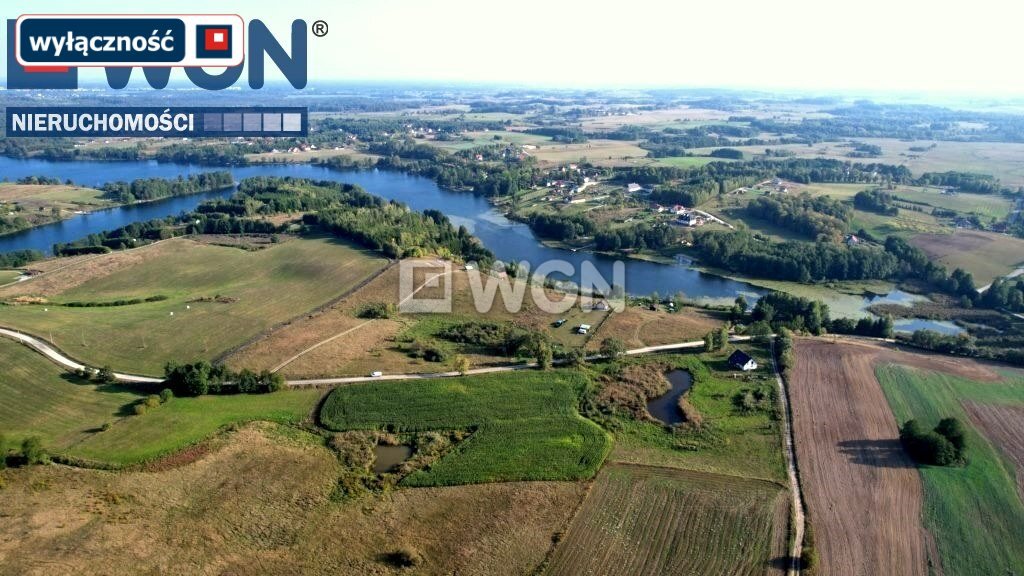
(216, 39)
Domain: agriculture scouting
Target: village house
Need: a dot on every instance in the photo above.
(690, 219)
(634, 188)
(740, 360)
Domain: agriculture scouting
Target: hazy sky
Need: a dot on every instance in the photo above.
(962, 47)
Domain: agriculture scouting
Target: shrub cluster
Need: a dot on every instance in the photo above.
(945, 445)
(200, 378)
(378, 310)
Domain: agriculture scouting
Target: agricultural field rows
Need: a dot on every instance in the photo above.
(646, 520)
(863, 494)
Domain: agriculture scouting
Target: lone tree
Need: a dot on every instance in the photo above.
(105, 375)
(461, 364)
(612, 348)
(32, 450)
(544, 356)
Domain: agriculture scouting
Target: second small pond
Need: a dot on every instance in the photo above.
(666, 406)
(387, 458)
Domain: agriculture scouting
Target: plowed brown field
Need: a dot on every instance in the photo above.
(864, 495)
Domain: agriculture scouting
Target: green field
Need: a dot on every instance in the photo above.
(185, 421)
(985, 205)
(478, 139)
(8, 276)
(974, 512)
(68, 414)
(729, 442)
(686, 161)
(40, 400)
(40, 204)
(1004, 160)
(524, 425)
(906, 224)
(258, 289)
(34, 196)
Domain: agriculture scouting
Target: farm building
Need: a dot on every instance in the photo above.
(742, 361)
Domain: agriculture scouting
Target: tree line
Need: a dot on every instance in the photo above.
(145, 189)
(780, 310)
(202, 378)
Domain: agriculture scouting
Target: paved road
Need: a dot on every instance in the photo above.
(59, 358)
(494, 369)
(798, 500)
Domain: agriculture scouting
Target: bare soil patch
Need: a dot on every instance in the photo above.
(639, 327)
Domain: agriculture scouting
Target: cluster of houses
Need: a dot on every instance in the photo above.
(300, 148)
(565, 189)
(509, 152)
(769, 187)
(684, 216)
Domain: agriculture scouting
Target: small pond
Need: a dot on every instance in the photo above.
(387, 458)
(893, 297)
(666, 406)
(914, 324)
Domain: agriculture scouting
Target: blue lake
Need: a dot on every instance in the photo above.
(507, 239)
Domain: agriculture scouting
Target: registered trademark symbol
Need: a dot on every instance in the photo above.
(320, 28)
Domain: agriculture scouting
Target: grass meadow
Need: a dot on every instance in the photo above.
(729, 441)
(69, 415)
(974, 512)
(524, 425)
(216, 298)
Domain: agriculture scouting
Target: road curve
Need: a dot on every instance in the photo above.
(58, 357)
